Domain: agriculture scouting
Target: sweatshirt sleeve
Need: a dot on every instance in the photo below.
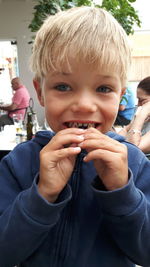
(25, 217)
(127, 212)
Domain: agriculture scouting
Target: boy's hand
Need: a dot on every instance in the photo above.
(109, 156)
(57, 160)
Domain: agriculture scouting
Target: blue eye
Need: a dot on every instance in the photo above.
(62, 87)
(103, 89)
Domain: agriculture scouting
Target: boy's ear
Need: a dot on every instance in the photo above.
(38, 90)
(123, 91)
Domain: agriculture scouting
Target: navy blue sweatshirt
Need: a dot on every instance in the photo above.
(87, 226)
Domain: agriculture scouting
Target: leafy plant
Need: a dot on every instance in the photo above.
(122, 10)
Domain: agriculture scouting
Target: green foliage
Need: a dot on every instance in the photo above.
(123, 11)
(120, 9)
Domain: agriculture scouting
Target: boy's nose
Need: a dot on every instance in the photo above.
(84, 104)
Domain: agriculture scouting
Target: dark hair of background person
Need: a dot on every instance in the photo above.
(145, 85)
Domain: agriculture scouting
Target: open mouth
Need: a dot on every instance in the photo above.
(81, 125)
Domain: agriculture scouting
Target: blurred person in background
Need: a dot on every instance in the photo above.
(138, 131)
(126, 108)
(20, 102)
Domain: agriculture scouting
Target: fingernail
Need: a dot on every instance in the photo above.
(84, 159)
(81, 130)
(77, 148)
(80, 137)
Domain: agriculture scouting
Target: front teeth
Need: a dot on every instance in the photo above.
(80, 125)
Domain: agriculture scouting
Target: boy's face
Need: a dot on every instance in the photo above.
(81, 98)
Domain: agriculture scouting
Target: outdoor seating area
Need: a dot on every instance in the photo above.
(74, 133)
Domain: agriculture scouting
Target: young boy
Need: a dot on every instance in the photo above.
(68, 198)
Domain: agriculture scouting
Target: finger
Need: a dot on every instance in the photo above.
(95, 134)
(65, 153)
(93, 130)
(60, 141)
(107, 145)
(105, 155)
(71, 130)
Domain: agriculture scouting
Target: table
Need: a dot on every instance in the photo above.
(6, 146)
(8, 140)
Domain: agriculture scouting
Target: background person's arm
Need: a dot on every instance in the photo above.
(134, 132)
(144, 144)
(13, 106)
(122, 107)
(124, 130)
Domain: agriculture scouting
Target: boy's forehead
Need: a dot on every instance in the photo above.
(72, 65)
(102, 73)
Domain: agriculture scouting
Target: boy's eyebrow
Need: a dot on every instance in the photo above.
(61, 73)
(99, 75)
(107, 77)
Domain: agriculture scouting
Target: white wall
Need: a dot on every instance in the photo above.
(15, 16)
(143, 7)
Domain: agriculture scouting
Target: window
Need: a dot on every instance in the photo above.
(8, 69)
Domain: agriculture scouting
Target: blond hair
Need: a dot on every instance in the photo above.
(89, 34)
